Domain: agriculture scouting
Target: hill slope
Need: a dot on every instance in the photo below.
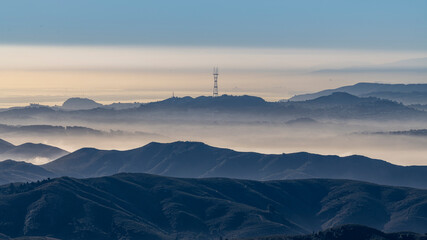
(141, 206)
(405, 93)
(29, 151)
(195, 159)
(12, 171)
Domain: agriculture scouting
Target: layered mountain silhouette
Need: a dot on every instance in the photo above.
(349, 232)
(29, 151)
(141, 206)
(405, 93)
(337, 105)
(195, 159)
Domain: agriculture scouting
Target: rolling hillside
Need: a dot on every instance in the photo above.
(195, 159)
(141, 206)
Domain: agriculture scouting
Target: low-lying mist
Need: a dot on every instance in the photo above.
(323, 137)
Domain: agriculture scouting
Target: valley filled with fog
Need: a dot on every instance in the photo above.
(335, 124)
(331, 139)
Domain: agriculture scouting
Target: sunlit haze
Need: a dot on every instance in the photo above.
(51, 74)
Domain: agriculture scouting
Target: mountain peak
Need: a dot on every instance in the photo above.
(4, 145)
(196, 159)
(203, 101)
(337, 98)
(80, 104)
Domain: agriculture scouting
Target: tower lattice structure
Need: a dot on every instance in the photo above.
(215, 88)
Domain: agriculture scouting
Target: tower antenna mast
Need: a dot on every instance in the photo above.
(215, 88)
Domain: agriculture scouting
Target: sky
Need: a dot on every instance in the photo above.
(366, 24)
(145, 50)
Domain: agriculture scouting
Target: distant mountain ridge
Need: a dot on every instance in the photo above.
(29, 151)
(338, 105)
(198, 160)
(405, 93)
(141, 206)
(226, 108)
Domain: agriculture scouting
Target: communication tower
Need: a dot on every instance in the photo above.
(215, 88)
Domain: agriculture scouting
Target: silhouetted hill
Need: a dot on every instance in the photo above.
(141, 206)
(80, 104)
(224, 102)
(349, 232)
(29, 151)
(5, 146)
(405, 93)
(12, 171)
(194, 159)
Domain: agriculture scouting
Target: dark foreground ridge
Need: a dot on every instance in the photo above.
(141, 206)
(350, 232)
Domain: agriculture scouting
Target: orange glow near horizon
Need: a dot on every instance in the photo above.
(51, 74)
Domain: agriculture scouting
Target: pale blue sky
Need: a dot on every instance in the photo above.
(368, 24)
(141, 50)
